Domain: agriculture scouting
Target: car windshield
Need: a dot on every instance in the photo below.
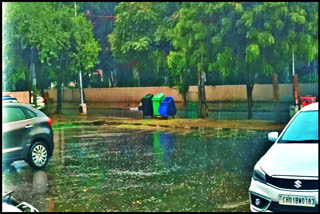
(303, 129)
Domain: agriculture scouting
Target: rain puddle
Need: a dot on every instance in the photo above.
(98, 170)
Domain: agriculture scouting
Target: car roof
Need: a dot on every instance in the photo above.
(8, 98)
(17, 104)
(311, 107)
(29, 106)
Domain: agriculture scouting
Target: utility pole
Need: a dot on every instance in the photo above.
(295, 84)
(82, 106)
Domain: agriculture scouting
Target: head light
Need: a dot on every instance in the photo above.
(258, 174)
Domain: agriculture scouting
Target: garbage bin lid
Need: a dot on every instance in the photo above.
(148, 96)
(158, 96)
(167, 100)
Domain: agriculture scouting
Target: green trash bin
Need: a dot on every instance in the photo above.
(156, 100)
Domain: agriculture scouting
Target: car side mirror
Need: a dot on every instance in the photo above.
(273, 136)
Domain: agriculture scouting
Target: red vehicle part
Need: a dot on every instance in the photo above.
(307, 100)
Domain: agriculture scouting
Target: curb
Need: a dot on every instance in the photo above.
(104, 122)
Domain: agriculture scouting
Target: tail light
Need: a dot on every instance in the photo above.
(42, 100)
(50, 122)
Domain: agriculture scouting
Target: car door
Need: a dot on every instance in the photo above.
(16, 128)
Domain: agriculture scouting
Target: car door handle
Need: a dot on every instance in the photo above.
(28, 126)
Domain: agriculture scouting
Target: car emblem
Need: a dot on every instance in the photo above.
(297, 184)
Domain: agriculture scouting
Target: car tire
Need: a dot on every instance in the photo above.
(38, 156)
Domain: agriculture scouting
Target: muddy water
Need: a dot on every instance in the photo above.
(101, 169)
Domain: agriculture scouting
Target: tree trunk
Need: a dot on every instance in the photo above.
(59, 93)
(184, 100)
(59, 86)
(183, 93)
(29, 78)
(314, 66)
(26, 54)
(136, 75)
(113, 75)
(276, 98)
(37, 77)
(203, 107)
(33, 78)
(112, 79)
(295, 89)
(249, 99)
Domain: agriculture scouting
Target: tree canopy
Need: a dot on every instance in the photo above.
(62, 40)
(159, 43)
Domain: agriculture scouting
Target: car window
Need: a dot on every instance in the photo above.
(31, 113)
(11, 114)
(304, 128)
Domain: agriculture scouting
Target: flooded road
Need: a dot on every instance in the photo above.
(99, 169)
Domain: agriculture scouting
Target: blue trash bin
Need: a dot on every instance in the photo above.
(167, 107)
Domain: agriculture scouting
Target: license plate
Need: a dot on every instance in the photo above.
(304, 201)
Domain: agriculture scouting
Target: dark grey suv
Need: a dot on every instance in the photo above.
(26, 135)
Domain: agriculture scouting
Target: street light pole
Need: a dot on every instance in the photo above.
(75, 14)
(81, 89)
(82, 105)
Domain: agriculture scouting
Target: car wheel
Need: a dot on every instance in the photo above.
(38, 155)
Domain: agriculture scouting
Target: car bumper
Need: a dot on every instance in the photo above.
(269, 194)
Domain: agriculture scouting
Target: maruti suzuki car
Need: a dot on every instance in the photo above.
(286, 178)
(26, 135)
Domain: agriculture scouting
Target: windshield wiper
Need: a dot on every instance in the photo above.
(299, 141)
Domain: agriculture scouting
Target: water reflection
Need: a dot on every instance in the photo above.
(115, 170)
(40, 181)
(168, 144)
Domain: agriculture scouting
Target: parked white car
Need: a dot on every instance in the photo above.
(40, 103)
(286, 178)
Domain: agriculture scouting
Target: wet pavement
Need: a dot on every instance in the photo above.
(99, 168)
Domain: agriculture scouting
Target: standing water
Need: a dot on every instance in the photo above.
(121, 170)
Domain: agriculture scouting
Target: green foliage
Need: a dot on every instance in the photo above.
(134, 29)
(18, 74)
(253, 53)
(232, 38)
(176, 62)
(52, 29)
(309, 78)
(187, 37)
(135, 34)
(224, 62)
(86, 46)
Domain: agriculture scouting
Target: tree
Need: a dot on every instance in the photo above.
(133, 34)
(177, 65)
(58, 37)
(291, 32)
(188, 38)
(15, 62)
(236, 50)
(101, 15)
